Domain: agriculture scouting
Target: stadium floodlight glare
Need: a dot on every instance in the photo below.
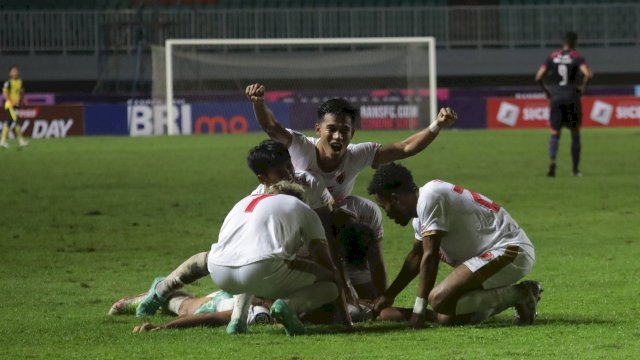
(172, 44)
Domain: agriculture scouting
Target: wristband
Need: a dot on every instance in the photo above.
(419, 307)
(434, 127)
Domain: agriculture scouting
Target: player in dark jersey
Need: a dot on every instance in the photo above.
(568, 75)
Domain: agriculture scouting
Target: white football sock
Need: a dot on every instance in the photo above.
(188, 272)
(176, 300)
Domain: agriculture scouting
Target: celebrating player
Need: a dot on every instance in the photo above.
(486, 247)
(256, 255)
(337, 162)
(564, 67)
(13, 94)
(271, 163)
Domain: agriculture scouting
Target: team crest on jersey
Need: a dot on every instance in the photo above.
(486, 256)
(340, 178)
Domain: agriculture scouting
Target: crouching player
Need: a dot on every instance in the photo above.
(256, 255)
(486, 247)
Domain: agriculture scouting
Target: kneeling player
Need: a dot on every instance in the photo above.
(478, 237)
(256, 255)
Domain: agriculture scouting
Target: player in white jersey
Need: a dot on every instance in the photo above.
(486, 247)
(331, 156)
(256, 254)
(271, 163)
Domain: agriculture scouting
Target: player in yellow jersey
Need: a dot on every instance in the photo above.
(13, 94)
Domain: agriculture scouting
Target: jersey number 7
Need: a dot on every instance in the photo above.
(493, 206)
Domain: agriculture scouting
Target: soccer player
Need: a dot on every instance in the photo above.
(13, 94)
(270, 161)
(337, 162)
(484, 244)
(564, 67)
(256, 255)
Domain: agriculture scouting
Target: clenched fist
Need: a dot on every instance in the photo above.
(446, 117)
(255, 93)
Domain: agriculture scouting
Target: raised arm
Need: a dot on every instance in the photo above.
(416, 142)
(428, 272)
(542, 71)
(265, 117)
(408, 272)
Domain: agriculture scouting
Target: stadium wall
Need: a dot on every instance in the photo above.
(148, 118)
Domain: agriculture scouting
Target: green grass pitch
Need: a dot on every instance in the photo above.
(88, 220)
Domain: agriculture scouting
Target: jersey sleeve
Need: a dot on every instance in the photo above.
(431, 210)
(416, 229)
(301, 149)
(548, 63)
(317, 193)
(363, 154)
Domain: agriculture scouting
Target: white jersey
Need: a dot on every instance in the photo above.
(263, 227)
(366, 212)
(340, 181)
(317, 194)
(472, 222)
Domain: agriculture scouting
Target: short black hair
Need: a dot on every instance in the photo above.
(570, 38)
(339, 107)
(266, 155)
(390, 178)
(356, 239)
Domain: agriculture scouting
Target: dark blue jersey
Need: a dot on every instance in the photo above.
(563, 67)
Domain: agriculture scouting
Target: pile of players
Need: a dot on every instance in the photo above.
(303, 249)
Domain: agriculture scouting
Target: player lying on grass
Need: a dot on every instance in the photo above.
(256, 256)
(271, 163)
(212, 310)
(337, 162)
(486, 247)
(215, 309)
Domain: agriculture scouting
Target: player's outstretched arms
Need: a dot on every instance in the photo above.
(416, 142)
(408, 272)
(209, 319)
(265, 117)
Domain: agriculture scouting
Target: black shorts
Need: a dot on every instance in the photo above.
(565, 113)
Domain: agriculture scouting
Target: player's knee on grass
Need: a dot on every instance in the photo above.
(442, 301)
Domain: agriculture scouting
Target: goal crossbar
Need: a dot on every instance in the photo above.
(170, 43)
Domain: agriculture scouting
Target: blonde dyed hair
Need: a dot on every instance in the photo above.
(288, 188)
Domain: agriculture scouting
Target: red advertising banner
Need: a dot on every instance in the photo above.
(597, 111)
(50, 121)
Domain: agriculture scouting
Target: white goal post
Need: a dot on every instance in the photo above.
(171, 43)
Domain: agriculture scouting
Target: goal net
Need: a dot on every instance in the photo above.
(391, 80)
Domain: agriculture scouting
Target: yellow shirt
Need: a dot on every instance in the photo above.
(14, 88)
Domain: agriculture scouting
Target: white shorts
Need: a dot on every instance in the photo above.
(271, 278)
(504, 265)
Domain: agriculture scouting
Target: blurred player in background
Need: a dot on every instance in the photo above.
(13, 93)
(486, 247)
(564, 68)
(337, 162)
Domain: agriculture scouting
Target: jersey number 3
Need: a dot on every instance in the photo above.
(255, 202)
(479, 199)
